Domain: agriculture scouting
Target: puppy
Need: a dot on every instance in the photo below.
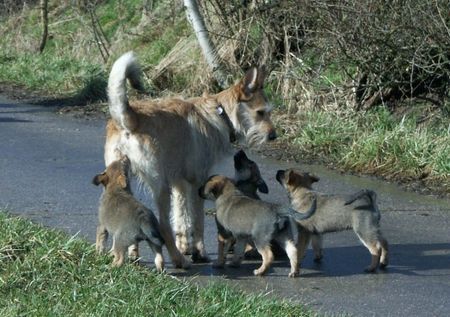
(250, 220)
(335, 213)
(121, 215)
(247, 177)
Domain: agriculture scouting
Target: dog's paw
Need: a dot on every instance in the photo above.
(294, 274)
(182, 263)
(197, 257)
(259, 272)
(218, 265)
(370, 270)
(383, 266)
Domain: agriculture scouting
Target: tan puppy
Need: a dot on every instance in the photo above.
(249, 220)
(335, 213)
(121, 215)
(172, 145)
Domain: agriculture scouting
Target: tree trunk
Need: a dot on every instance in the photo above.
(207, 47)
(44, 20)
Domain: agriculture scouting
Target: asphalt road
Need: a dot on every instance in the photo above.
(47, 162)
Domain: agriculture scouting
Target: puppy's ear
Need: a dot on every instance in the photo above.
(122, 181)
(262, 186)
(313, 178)
(100, 179)
(293, 178)
(217, 189)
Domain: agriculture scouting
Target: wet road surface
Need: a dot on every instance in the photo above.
(47, 162)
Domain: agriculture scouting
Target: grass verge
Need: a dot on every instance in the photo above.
(374, 142)
(43, 272)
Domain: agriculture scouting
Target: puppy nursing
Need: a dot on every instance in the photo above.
(121, 215)
(250, 220)
(335, 213)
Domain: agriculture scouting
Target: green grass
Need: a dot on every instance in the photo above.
(44, 272)
(376, 142)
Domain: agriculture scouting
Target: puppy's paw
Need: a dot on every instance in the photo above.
(198, 257)
(383, 266)
(294, 274)
(182, 263)
(259, 272)
(370, 270)
(218, 265)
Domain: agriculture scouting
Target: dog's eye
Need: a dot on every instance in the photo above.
(261, 113)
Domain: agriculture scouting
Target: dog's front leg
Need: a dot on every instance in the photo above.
(221, 253)
(302, 243)
(267, 259)
(239, 249)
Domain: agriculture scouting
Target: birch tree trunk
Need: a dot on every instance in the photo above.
(209, 51)
(44, 20)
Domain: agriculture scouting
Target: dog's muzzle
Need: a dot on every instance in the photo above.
(200, 192)
(280, 176)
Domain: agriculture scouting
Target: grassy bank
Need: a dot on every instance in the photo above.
(408, 146)
(44, 272)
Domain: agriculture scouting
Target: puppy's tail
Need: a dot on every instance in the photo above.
(126, 67)
(300, 215)
(151, 230)
(365, 193)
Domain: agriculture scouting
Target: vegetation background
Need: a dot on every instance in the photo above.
(359, 85)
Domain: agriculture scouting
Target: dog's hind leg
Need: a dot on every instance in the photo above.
(133, 252)
(102, 236)
(163, 203)
(159, 259)
(302, 243)
(374, 248)
(267, 259)
(119, 252)
(384, 259)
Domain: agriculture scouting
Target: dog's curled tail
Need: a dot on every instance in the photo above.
(365, 193)
(126, 67)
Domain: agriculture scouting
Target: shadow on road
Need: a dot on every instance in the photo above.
(405, 259)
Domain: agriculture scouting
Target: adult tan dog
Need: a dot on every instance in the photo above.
(173, 143)
(121, 215)
(335, 213)
(247, 220)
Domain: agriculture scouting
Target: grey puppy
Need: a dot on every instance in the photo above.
(250, 220)
(121, 215)
(335, 213)
(248, 177)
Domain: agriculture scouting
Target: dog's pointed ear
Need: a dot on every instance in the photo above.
(313, 178)
(100, 179)
(293, 178)
(252, 81)
(217, 189)
(262, 186)
(122, 180)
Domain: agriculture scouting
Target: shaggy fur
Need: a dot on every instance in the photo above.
(173, 143)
